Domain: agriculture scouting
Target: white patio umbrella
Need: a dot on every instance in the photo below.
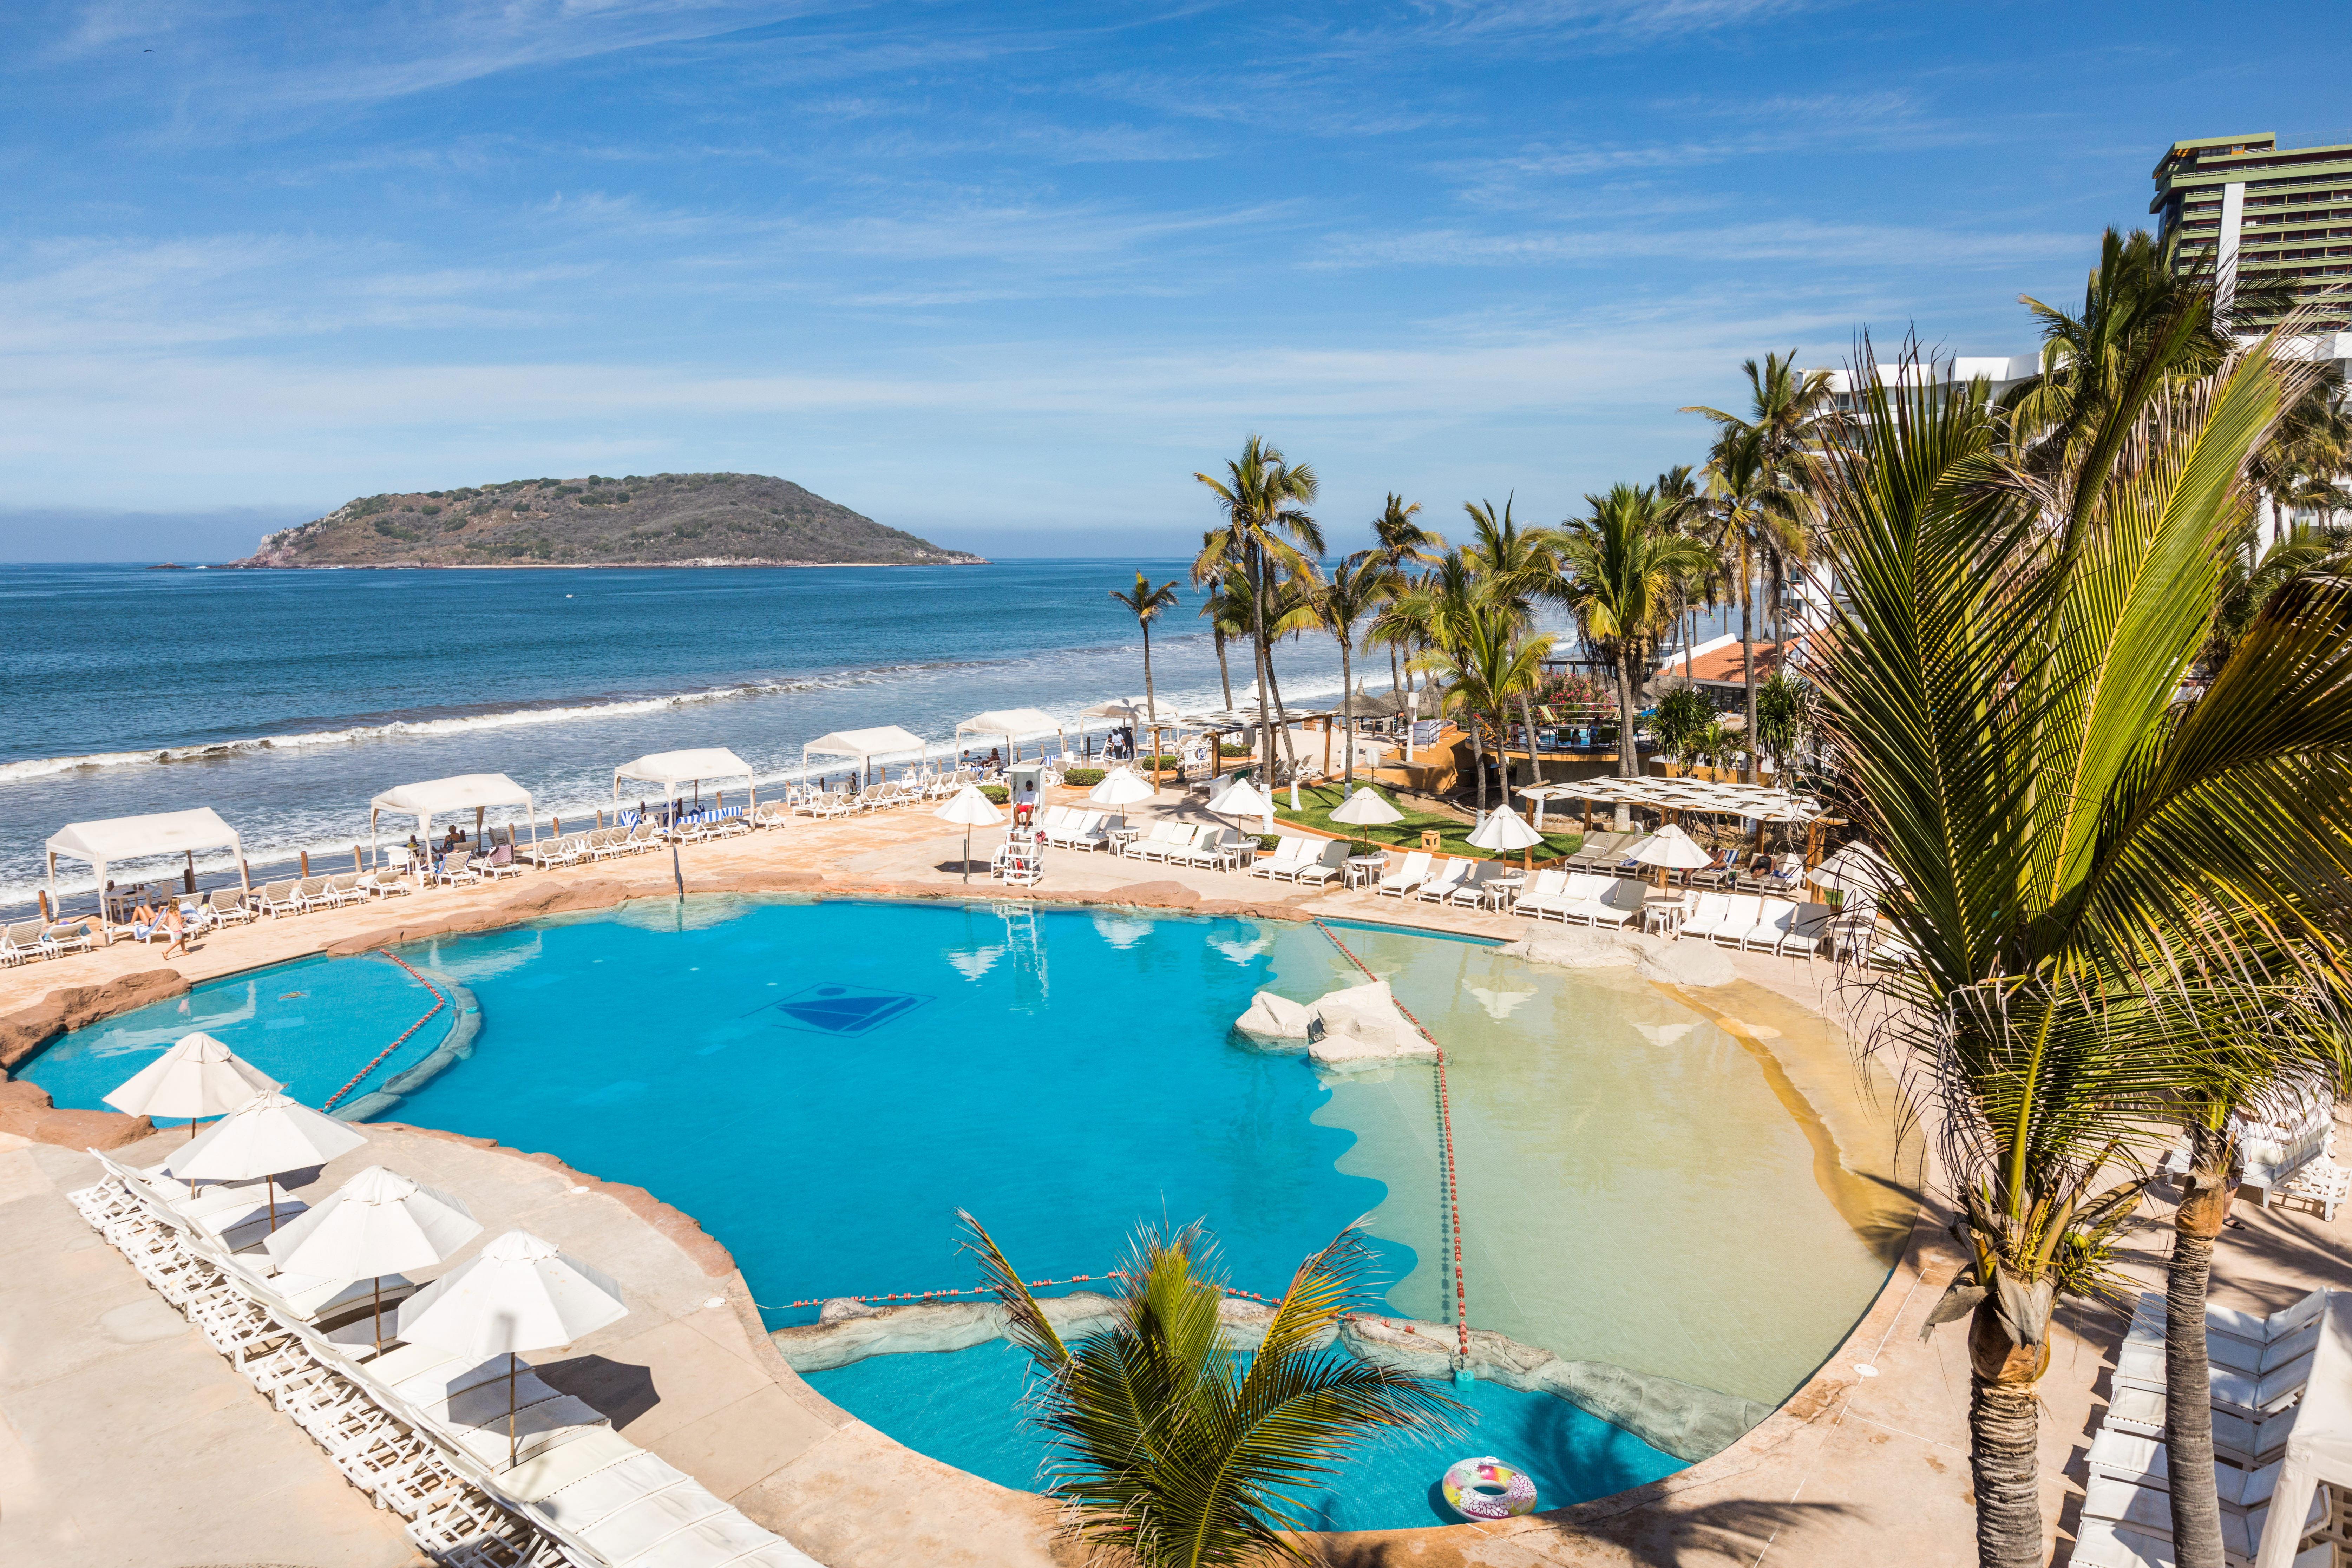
(1242, 798)
(266, 1136)
(1121, 787)
(378, 1223)
(518, 1294)
(1672, 849)
(1504, 831)
(1856, 869)
(198, 1077)
(1365, 808)
(970, 809)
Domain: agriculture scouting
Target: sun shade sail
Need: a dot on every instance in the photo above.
(125, 838)
(437, 797)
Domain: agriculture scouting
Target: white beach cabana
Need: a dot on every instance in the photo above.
(446, 797)
(865, 745)
(671, 768)
(121, 838)
(1013, 724)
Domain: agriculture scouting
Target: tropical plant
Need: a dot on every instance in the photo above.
(2304, 553)
(2098, 882)
(1521, 566)
(1173, 1441)
(1267, 535)
(1485, 663)
(1400, 539)
(1784, 718)
(1746, 513)
(1787, 412)
(1145, 603)
(1623, 568)
(1227, 610)
(1356, 587)
(1683, 718)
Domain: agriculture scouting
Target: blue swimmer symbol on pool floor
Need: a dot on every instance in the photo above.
(844, 1009)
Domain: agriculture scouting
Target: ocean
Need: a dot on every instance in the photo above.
(285, 700)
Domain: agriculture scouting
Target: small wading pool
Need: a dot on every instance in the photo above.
(823, 1085)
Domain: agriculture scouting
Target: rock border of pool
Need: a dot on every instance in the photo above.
(1727, 1508)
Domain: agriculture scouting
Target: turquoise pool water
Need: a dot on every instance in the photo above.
(950, 1405)
(822, 1086)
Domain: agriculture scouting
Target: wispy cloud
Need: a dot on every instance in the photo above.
(1831, 247)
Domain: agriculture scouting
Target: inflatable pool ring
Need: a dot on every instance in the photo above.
(1470, 1489)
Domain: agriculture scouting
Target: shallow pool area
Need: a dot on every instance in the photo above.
(824, 1086)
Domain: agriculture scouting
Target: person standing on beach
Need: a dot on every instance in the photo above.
(175, 923)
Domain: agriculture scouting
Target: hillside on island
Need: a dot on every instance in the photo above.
(643, 519)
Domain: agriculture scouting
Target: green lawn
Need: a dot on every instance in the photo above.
(1317, 804)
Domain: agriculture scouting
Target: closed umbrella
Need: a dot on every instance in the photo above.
(1670, 849)
(197, 1078)
(518, 1294)
(1504, 831)
(970, 809)
(266, 1136)
(378, 1223)
(1121, 787)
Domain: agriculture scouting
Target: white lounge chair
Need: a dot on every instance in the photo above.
(276, 899)
(1614, 905)
(1708, 917)
(1740, 916)
(1291, 851)
(1774, 917)
(1403, 881)
(1443, 879)
(1330, 860)
(1542, 895)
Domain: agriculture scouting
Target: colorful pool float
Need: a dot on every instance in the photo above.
(1486, 1487)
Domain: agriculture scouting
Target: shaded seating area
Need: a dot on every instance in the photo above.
(107, 845)
(476, 859)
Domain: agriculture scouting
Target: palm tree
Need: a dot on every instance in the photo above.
(1357, 586)
(1683, 508)
(1226, 607)
(1173, 1448)
(1486, 665)
(1268, 535)
(1399, 539)
(2098, 882)
(1787, 409)
(1622, 570)
(1145, 603)
(1520, 566)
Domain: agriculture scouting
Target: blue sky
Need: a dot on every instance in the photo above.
(1006, 275)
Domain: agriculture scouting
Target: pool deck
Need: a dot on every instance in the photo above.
(127, 1441)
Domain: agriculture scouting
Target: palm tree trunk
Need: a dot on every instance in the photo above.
(1627, 754)
(1747, 655)
(2188, 1375)
(1348, 715)
(2004, 1462)
(1224, 675)
(1396, 673)
(1528, 720)
(1150, 704)
(1282, 715)
(1257, 656)
(1478, 760)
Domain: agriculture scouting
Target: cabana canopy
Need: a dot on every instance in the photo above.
(442, 797)
(1014, 723)
(864, 745)
(671, 768)
(128, 837)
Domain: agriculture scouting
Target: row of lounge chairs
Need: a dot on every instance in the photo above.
(1071, 828)
(1307, 861)
(1739, 869)
(595, 844)
(2262, 1371)
(1455, 879)
(423, 1432)
(806, 800)
(1212, 845)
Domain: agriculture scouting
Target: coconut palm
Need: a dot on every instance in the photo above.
(1356, 587)
(1623, 572)
(1400, 539)
(1752, 518)
(2098, 882)
(1145, 603)
(1173, 1447)
(1488, 664)
(1226, 608)
(1787, 411)
(1521, 566)
(1269, 536)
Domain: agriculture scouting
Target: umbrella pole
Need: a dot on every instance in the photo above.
(510, 1410)
(379, 1314)
(967, 854)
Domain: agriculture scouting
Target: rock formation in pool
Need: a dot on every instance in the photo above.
(1348, 1030)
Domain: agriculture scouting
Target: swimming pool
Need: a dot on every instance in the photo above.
(822, 1086)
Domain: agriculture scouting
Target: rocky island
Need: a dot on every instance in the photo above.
(642, 519)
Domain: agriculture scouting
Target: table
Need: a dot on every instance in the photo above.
(1364, 870)
(1663, 914)
(1120, 837)
(1502, 892)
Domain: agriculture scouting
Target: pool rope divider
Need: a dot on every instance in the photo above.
(983, 1290)
(439, 1001)
(1451, 1213)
